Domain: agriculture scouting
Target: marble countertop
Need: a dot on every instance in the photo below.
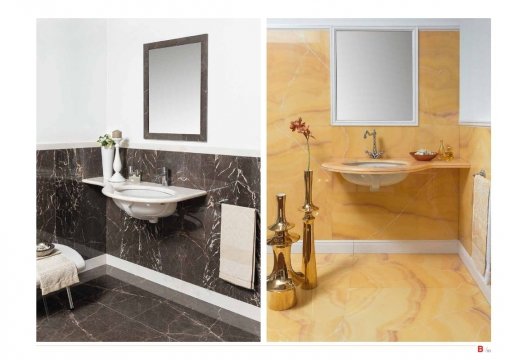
(99, 181)
(95, 181)
(408, 165)
(178, 193)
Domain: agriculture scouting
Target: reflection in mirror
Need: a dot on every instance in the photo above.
(175, 89)
(375, 77)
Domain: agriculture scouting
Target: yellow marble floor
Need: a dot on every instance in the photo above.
(385, 297)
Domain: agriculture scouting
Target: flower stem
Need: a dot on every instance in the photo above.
(309, 154)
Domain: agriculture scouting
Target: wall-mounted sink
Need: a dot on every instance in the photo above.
(373, 177)
(149, 201)
(383, 172)
(372, 173)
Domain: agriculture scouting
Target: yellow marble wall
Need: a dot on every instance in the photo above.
(475, 146)
(424, 206)
(298, 85)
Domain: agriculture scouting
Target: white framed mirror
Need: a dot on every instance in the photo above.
(374, 76)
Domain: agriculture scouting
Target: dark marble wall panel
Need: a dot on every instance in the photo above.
(69, 211)
(186, 245)
(81, 208)
(45, 195)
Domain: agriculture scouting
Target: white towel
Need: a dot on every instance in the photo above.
(55, 273)
(487, 273)
(238, 241)
(480, 221)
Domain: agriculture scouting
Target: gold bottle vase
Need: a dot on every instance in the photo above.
(308, 235)
(281, 294)
(283, 279)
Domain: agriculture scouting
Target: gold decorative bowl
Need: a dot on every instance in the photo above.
(423, 157)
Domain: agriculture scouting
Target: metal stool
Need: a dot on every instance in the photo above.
(77, 259)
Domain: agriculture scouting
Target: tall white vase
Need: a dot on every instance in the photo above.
(107, 159)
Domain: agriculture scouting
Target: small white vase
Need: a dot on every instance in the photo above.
(107, 159)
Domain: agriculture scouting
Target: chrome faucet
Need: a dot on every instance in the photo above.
(163, 173)
(375, 154)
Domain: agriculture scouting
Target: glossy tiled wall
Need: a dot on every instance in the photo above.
(475, 145)
(69, 211)
(422, 207)
(184, 245)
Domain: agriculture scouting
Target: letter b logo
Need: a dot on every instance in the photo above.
(480, 348)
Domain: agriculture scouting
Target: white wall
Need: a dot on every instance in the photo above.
(71, 80)
(233, 81)
(90, 81)
(475, 72)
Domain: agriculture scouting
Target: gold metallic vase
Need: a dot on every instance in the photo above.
(308, 235)
(283, 279)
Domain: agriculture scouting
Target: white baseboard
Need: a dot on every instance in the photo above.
(95, 262)
(479, 279)
(381, 246)
(236, 306)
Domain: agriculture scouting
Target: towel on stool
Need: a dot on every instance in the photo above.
(55, 273)
(238, 241)
(480, 223)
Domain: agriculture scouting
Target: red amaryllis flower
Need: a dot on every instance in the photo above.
(301, 127)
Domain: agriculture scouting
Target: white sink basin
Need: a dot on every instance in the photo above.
(377, 164)
(372, 173)
(374, 181)
(370, 176)
(149, 201)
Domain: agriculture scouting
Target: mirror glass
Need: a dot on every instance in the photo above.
(175, 89)
(375, 77)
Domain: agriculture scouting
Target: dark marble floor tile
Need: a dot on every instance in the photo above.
(55, 302)
(85, 323)
(96, 318)
(183, 324)
(176, 323)
(131, 330)
(107, 309)
(129, 300)
(62, 328)
(106, 282)
(232, 334)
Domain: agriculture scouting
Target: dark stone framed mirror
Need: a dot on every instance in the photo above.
(175, 89)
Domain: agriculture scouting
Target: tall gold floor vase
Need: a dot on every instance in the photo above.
(308, 235)
(281, 282)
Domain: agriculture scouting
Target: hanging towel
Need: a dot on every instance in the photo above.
(487, 273)
(55, 273)
(238, 241)
(480, 221)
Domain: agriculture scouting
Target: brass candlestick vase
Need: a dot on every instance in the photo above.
(283, 279)
(310, 280)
